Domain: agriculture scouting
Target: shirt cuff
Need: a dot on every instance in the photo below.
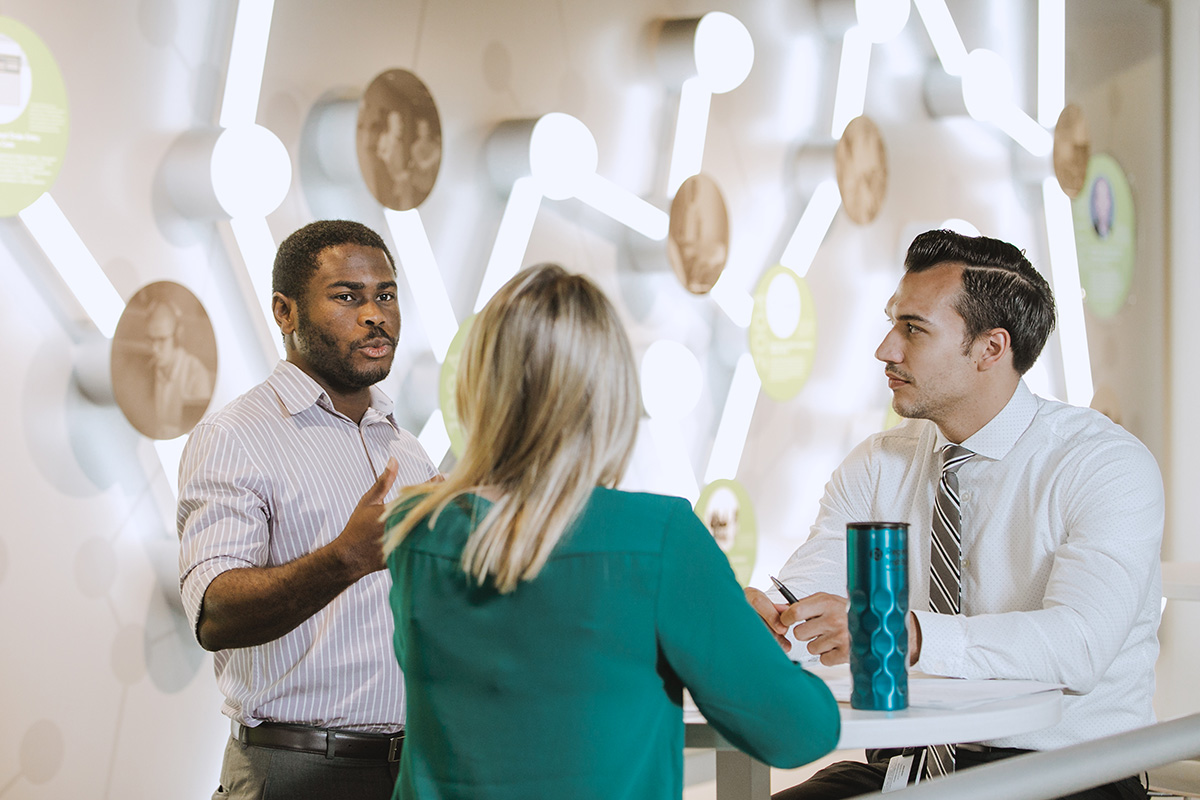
(195, 584)
(943, 643)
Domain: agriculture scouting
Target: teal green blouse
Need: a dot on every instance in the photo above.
(571, 686)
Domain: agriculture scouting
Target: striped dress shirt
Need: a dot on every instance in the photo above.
(269, 478)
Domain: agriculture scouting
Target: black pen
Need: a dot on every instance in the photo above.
(785, 591)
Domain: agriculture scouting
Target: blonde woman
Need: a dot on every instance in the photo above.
(547, 623)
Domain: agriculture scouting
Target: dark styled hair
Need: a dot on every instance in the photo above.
(296, 259)
(1000, 289)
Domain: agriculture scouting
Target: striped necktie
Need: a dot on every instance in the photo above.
(945, 570)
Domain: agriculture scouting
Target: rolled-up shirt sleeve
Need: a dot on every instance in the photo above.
(222, 516)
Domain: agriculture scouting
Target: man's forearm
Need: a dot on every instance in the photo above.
(254, 605)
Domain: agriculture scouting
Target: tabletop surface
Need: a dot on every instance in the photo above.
(920, 726)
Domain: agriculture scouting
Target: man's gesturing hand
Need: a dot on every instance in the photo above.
(360, 544)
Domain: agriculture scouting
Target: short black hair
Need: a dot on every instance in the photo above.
(296, 259)
(1000, 289)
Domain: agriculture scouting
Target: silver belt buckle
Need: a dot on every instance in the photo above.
(394, 748)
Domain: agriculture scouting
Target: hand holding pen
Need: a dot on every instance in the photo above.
(784, 590)
(820, 624)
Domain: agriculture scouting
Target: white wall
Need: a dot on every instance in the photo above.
(105, 693)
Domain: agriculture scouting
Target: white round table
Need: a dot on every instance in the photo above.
(919, 726)
(740, 777)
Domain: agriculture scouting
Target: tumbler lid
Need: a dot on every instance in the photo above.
(860, 526)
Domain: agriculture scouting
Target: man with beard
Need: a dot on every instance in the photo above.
(280, 495)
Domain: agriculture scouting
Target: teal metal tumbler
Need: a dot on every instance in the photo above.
(877, 580)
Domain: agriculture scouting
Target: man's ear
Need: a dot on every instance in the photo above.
(993, 348)
(284, 310)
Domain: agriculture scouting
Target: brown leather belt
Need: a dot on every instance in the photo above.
(324, 741)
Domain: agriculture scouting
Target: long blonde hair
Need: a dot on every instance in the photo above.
(548, 396)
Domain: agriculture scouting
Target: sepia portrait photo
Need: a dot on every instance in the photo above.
(698, 234)
(399, 139)
(164, 360)
(1072, 149)
(860, 162)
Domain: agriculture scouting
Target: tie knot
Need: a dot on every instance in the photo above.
(954, 456)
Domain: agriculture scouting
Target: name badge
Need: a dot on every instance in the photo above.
(899, 768)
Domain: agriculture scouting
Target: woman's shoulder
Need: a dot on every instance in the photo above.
(443, 529)
(614, 519)
(636, 502)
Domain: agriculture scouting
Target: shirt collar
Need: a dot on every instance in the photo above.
(995, 439)
(298, 392)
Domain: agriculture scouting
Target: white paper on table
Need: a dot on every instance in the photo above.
(928, 691)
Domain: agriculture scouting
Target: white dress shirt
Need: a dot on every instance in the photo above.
(1062, 518)
(272, 477)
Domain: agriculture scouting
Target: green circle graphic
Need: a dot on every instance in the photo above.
(725, 509)
(33, 118)
(783, 358)
(1105, 235)
(448, 386)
